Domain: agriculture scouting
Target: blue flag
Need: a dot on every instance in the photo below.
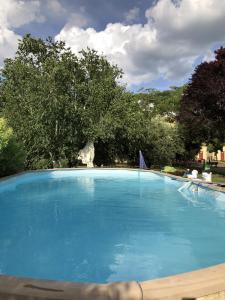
(142, 164)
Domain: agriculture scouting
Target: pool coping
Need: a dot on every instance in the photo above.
(207, 283)
(187, 286)
(199, 182)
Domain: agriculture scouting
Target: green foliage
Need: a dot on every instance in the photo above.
(211, 148)
(5, 134)
(215, 145)
(207, 167)
(38, 93)
(164, 103)
(169, 169)
(202, 111)
(42, 163)
(100, 93)
(12, 155)
(167, 143)
(56, 101)
(64, 163)
(135, 129)
(11, 158)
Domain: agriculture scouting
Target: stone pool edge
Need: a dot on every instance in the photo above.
(202, 284)
(204, 184)
(212, 186)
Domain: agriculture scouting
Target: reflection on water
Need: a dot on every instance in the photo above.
(88, 184)
(107, 226)
(135, 255)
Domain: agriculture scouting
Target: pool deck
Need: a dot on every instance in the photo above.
(210, 185)
(203, 284)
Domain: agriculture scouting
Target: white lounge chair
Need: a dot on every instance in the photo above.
(207, 176)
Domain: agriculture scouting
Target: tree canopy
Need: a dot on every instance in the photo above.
(165, 103)
(56, 101)
(138, 126)
(202, 111)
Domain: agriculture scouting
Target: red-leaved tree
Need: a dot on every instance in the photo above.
(202, 111)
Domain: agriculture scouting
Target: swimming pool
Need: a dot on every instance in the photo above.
(107, 225)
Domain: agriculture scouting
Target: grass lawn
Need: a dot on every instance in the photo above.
(218, 178)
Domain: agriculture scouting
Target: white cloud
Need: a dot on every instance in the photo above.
(77, 19)
(13, 14)
(166, 46)
(132, 14)
(8, 43)
(55, 7)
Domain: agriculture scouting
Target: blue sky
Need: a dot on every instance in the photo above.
(156, 43)
(98, 12)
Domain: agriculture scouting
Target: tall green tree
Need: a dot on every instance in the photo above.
(100, 93)
(56, 101)
(137, 127)
(38, 89)
(164, 103)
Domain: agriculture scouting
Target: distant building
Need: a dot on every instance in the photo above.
(205, 155)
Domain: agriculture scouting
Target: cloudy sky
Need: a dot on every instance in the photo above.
(156, 43)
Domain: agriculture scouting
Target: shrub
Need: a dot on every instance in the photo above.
(12, 158)
(64, 163)
(42, 163)
(169, 169)
(12, 154)
(5, 133)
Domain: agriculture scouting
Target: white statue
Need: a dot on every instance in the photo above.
(87, 154)
(193, 175)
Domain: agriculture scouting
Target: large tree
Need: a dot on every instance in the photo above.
(56, 101)
(38, 90)
(202, 112)
(164, 103)
(100, 94)
(138, 127)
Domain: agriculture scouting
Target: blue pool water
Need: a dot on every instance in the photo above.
(107, 225)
